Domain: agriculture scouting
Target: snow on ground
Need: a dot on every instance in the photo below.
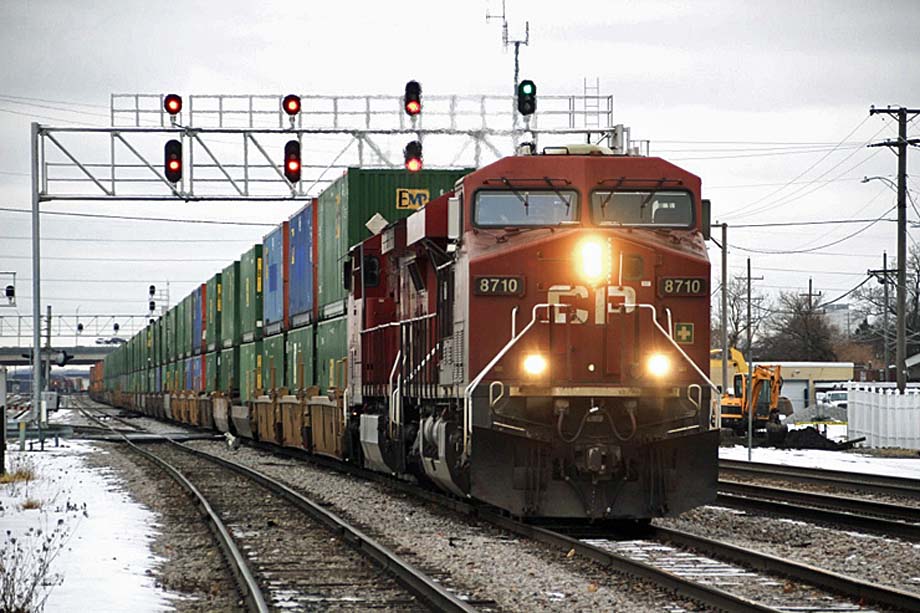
(106, 562)
(829, 460)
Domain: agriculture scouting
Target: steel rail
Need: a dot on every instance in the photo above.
(706, 595)
(862, 523)
(878, 484)
(859, 506)
(435, 595)
(841, 584)
(246, 582)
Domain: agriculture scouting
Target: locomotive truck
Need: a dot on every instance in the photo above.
(535, 337)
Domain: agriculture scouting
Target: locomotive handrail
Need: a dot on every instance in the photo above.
(399, 323)
(468, 391)
(392, 399)
(651, 307)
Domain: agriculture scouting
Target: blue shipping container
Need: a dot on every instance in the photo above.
(188, 372)
(300, 287)
(275, 261)
(158, 379)
(196, 320)
(197, 379)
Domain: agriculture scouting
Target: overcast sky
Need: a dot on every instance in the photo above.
(767, 102)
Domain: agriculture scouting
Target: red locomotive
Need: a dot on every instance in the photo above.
(535, 339)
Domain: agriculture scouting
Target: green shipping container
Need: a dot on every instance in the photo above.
(169, 335)
(331, 348)
(212, 329)
(187, 314)
(229, 371)
(230, 312)
(299, 358)
(211, 371)
(347, 204)
(273, 362)
(250, 370)
(251, 294)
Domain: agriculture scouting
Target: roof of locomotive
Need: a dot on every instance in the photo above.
(593, 170)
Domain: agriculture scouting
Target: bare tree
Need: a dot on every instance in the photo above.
(737, 314)
(797, 330)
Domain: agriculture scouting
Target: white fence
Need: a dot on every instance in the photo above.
(885, 417)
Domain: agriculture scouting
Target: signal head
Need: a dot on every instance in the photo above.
(413, 156)
(527, 97)
(172, 161)
(172, 103)
(412, 100)
(291, 104)
(292, 163)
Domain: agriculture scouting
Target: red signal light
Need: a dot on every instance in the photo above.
(172, 156)
(292, 161)
(172, 103)
(291, 104)
(413, 156)
(412, 100)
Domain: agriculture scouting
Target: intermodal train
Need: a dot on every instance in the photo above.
(533, 334)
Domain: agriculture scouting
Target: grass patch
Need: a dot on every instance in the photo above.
(31, 503)
(18, 475)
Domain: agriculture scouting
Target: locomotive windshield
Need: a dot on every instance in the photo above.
(525, 208)
(643, 208)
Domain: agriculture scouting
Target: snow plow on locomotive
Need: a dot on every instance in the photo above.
(534, 339)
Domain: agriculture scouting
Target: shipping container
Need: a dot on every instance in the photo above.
(198, 306)
(198, 373)
(215, 308)
(331, 348)
(251, 294)
(189, 325)
(299, 358)
(183, 332)
(348, 204)
(250, 370)
(189, 373)
(276, 261)
(211, 374)
(273, 362)
(169, 332)
(301, 287)
(229, 372)
(230, 312)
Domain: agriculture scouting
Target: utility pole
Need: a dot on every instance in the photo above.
(901, 311)
(882, 276)
(811, 294)
(724, 316)
(750, 360)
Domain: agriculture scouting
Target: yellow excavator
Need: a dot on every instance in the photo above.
(766, 382)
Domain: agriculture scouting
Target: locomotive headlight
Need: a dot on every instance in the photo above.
(658, 365)
(591, 260)
(535, 364)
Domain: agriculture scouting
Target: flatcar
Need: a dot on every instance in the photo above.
(534, 337)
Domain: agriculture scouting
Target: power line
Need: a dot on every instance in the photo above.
(34, 116)
(104, 239)
(133, 218)
(778, 224)
(807, 170)
(765, 154)
(830, 244)
(6, 100)
(62, 102)
(113, 259)
(809, 271)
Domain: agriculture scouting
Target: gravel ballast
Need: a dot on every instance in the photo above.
(191, 563)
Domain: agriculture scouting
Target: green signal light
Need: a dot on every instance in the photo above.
(527, 89)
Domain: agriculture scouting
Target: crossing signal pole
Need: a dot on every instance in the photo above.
(900, 145)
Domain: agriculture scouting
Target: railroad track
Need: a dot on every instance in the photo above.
(845, 592)
(841, 511)
(688, 569)
(861, 482)
(290, 561)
